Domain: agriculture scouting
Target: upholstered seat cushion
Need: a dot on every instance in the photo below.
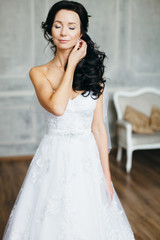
(145, 139)
(155, 118)
(140, 122)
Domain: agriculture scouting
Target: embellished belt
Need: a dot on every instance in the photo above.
(68, 132)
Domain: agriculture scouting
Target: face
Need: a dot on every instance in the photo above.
(66, 29)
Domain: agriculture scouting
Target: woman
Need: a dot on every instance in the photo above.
(67, 193)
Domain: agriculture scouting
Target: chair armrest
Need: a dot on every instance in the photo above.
(124, 133)
(124, 124)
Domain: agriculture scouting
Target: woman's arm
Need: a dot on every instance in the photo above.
(100, 134)
(56, 102)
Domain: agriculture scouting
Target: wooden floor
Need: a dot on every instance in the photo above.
(139, 191)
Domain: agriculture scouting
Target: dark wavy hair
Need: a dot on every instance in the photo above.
(88, 75)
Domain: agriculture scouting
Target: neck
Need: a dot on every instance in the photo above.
(61, 57)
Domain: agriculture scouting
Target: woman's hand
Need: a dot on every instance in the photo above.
(110, 187)
(78, 52)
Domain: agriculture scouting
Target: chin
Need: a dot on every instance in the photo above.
(64, 46)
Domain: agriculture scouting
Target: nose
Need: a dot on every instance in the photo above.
(63, 31)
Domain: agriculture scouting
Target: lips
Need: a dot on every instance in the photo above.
(63, 41)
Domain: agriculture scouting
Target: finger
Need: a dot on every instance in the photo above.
(111, 196)
(83, 44)
(83, 47)
(76, 46)
(85, 50)
(82, 41)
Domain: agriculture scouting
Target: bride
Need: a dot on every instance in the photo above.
(67, 193)
(66, 76)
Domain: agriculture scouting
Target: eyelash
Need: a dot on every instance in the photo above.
(69, 28)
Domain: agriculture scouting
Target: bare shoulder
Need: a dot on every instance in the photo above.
(39, 73)
(46, 72)
(38, 77)
(38, 70)
(44, 68)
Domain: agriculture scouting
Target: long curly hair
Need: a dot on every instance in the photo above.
(88, 75)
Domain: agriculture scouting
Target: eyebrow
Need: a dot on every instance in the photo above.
(69, 22)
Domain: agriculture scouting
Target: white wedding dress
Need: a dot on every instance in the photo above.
(64, 195)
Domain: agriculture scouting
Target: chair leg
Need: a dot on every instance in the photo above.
(119, 154)
(129, 160)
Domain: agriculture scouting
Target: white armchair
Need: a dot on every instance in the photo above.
(142, 100)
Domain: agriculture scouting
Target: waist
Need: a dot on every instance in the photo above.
(68, 132)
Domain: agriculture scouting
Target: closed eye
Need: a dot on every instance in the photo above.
(72, 28)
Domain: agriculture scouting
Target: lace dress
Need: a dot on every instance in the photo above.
(64, 195)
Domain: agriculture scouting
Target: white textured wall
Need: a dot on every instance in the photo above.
(127, 30)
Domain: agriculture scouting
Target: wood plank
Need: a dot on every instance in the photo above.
(139, 191)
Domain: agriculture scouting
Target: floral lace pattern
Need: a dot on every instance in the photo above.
(24, 234)
(64, 195)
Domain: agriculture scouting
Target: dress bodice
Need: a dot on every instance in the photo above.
(76, 119)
